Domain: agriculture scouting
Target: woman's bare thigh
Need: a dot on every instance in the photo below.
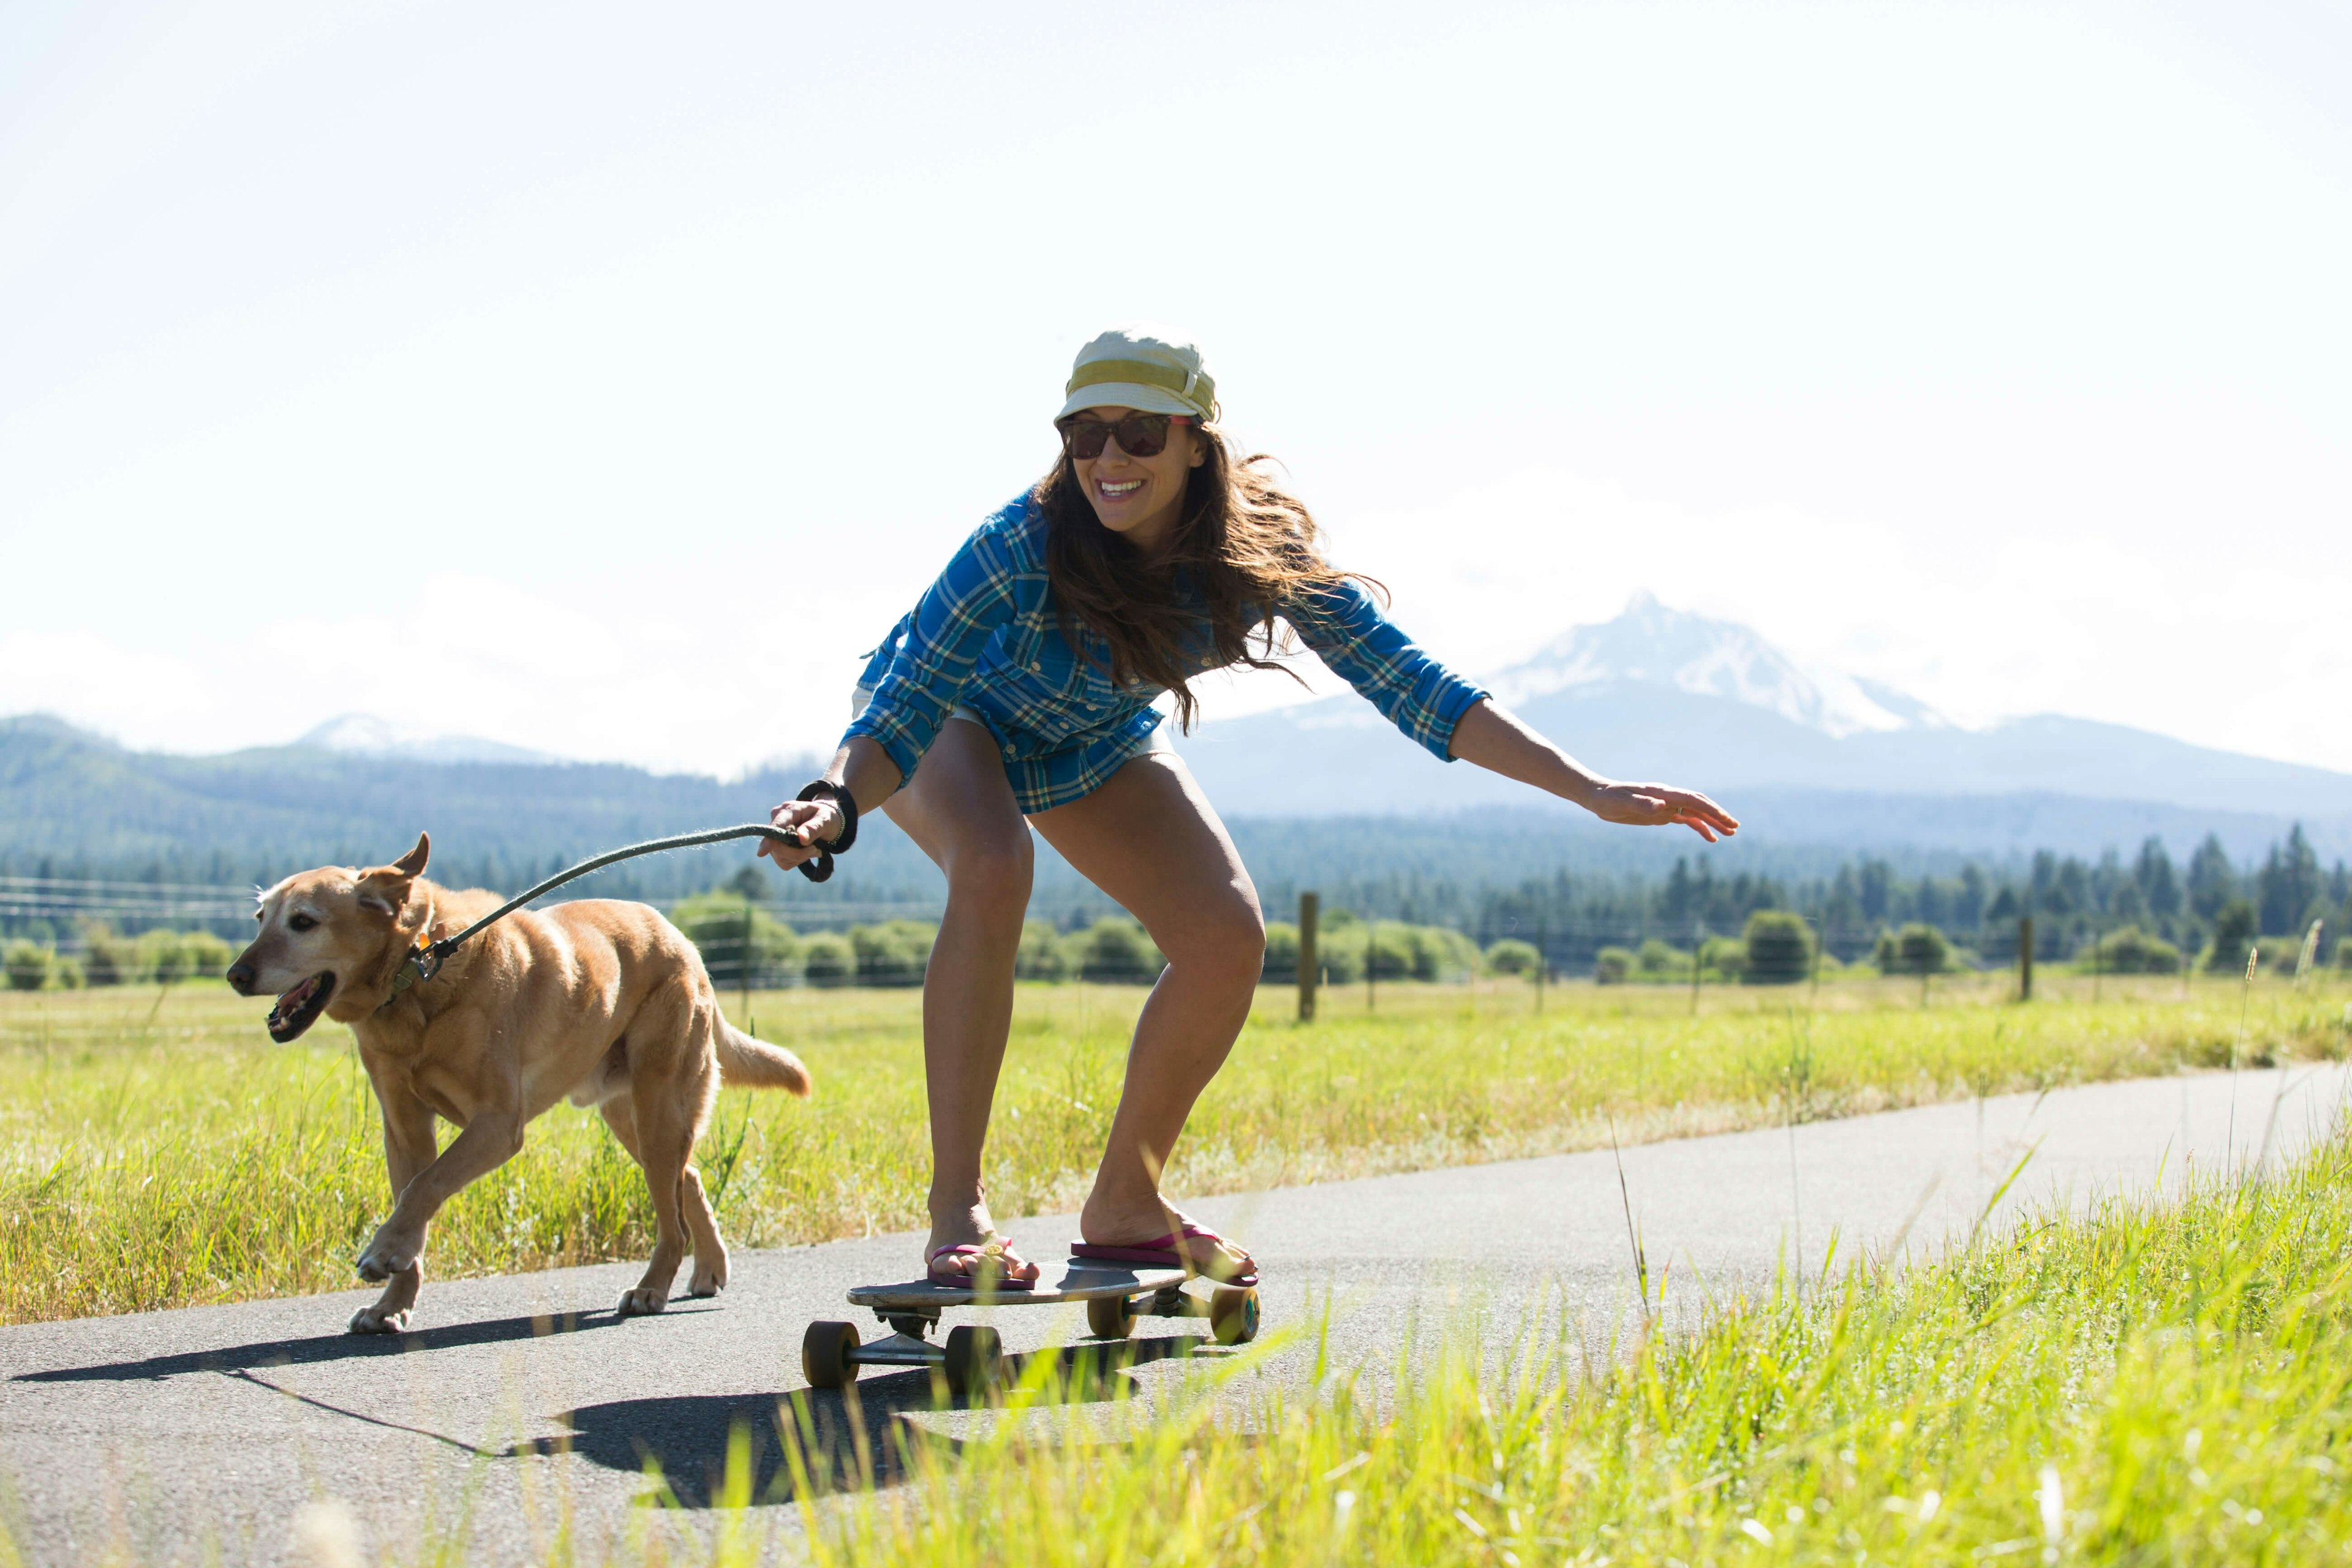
(1149, 838)
(960, 800)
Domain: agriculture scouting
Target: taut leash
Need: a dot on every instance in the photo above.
(425, 962)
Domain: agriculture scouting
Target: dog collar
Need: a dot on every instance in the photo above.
(420, 965)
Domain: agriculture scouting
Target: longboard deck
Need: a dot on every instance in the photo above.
(1078, 1279)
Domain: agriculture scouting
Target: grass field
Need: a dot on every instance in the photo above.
(2165, 1384)
(156, 1150)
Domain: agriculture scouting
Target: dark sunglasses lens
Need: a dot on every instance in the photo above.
(1085, 438)
(1143, 434)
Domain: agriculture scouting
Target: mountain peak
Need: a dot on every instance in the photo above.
(366, 735)
(1653, 644)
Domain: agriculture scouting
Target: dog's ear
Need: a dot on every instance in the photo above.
(385, 889)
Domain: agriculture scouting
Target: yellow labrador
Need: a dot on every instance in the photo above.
(601, 1001)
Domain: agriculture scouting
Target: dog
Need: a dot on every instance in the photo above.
(599, 1001)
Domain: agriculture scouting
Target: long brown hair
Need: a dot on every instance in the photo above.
(1247, 545)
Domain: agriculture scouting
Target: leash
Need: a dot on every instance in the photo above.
(425, 961)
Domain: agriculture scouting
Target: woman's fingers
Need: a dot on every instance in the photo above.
(809, 821)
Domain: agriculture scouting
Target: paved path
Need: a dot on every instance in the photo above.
(178, 1436)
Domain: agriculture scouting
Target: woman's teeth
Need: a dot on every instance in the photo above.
(1122, 488)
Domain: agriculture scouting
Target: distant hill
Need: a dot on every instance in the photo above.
(1803, 755)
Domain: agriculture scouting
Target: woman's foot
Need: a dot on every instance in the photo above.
(989, 1265)
(1190, 1246)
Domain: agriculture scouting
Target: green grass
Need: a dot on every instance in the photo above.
(156, 1150)
(2148, 1384)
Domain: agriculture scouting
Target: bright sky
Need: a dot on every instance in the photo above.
(604, 379)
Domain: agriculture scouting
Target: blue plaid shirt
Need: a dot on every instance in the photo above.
(985, 635)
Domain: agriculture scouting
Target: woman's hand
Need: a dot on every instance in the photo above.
(1662, 805)
(1494, 738)
(815, 823)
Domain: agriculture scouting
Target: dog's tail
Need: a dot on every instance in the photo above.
(747, 1063)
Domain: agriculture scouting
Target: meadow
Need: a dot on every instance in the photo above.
(156, 1150)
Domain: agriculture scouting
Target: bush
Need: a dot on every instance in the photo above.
(1610, 966)
(713, 921)
(2233, 937)
(67, 974)
(1281, 952)
(109, 958)
(1512, 956)
(1917, 949)
(163, 956)
(1117, 950)
(28, 967)
(1724, 957)
(1042, 954)
(894, 953)
(2131, 950)
(1780, 948)
(208, 956)
(1657, 960)
(827, 959)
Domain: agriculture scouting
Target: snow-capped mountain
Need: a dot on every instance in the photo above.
(366, 735)
(1651, 645)
(1664, 694)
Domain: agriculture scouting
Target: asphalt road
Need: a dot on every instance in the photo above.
(522, 1406)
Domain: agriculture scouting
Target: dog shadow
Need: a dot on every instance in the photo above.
(310, 1352)
(852, 1435)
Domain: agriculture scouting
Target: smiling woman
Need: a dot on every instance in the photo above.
(1022, 685)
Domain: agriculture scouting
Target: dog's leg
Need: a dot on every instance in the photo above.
(490, 1139)
(710, 1252)
(408, 1148)
(670, 1102)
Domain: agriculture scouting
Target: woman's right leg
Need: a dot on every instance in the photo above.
(959, 808)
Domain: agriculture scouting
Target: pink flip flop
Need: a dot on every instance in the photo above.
(990, 1270)
(1175, 1250)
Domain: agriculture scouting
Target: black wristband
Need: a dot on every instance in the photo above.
(843, 803)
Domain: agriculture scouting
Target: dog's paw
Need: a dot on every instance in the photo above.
(386, 1256)
(375, 1321)
(642, 1302)
(708, 1282)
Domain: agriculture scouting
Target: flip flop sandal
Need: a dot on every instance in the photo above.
(1175, 1250)
(991, 1268)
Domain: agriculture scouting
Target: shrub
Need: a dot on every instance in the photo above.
(1042, 954)
(1724, 957)
(2344, 954)
(1780, 948)
(163, 956)
(827, 959)
(208, 956)
(713, 921)
(894, 953)
(1657, 960)
(67, 974)
(1512, 956)
(1281, 950)
(2233, 937)
(1610, 966)
(28, 966)
(1917, 949)
(2131, 950)
(1117, 950)
(109, 958)
(1389, 950)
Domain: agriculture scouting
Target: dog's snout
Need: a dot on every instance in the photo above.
(240, 977)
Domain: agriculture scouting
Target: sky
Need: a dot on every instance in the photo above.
(606, 382)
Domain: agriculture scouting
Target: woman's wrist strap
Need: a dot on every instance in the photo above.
(843, 803)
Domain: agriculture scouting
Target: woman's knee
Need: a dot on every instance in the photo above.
(1228, 940)
(994, 869)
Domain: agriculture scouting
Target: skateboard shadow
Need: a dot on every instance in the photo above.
(855, 1428)
(324, 1348)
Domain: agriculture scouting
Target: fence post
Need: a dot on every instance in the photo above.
(1308, 903)
(1543, 961)
(746, 979)
(2025, 958)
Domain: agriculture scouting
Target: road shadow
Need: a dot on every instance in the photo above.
(326, 1348)
(856, 1430)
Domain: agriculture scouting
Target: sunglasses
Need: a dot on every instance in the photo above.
(1138, 434)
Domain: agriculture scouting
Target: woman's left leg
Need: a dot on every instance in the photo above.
(1149, 838)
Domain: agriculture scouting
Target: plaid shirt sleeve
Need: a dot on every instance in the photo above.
(951, 624)
(1346, 626)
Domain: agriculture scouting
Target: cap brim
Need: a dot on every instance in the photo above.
(1127, 394)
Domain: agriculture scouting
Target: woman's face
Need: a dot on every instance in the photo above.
(1140, 498)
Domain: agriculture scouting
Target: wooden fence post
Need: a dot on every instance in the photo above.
(2025, 958)
(1308, 903)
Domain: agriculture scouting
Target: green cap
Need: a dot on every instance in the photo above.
(1143, 367)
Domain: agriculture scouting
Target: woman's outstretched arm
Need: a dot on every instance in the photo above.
(1493, 737)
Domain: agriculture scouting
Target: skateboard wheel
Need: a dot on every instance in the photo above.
(1110, 1316)
(1233, 1317)
(975, 1359)
(824, 1354)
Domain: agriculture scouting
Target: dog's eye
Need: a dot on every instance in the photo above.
(301, 922)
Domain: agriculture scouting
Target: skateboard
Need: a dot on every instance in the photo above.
(972, 1360)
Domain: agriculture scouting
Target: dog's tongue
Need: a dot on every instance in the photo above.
(289, 1000)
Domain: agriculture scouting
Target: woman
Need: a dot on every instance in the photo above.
(1022, 684)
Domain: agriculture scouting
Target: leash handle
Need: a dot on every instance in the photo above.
(428, 961)
(820, 868)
